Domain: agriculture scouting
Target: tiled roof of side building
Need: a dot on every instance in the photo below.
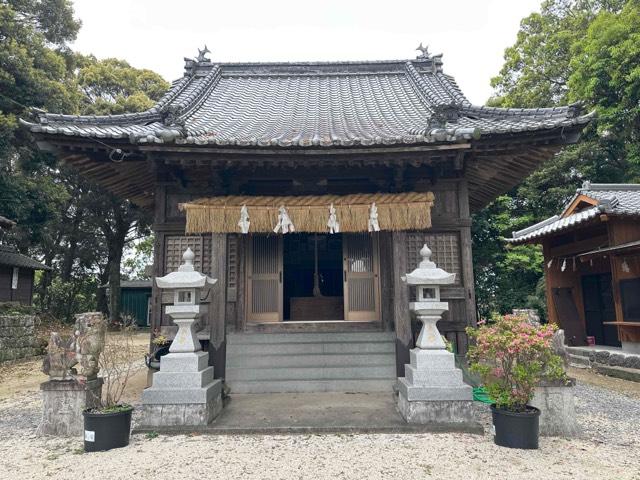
(10, 257)
(613, 199)
(311, 105)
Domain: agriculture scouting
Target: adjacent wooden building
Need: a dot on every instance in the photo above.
(592, 265)
(308, 137)
(17, 272)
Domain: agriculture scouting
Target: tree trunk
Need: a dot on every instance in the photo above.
(115, 299)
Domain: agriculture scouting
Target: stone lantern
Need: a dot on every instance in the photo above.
(184, 391)
(186, 284)
(432, 390)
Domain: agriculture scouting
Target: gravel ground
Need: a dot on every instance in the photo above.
(608, 448)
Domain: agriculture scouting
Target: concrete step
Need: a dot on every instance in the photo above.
(310, 373)
(312, 360)
(299, 386)
(579, 351)
(579, 361)
(314, 348)
(278, 338)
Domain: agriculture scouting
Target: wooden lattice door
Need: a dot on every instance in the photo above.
(264, 278)
(361, 279)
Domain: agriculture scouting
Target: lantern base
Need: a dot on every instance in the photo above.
(433, 390)
(184, 392)
(440, 412)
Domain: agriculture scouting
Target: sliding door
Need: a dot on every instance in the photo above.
(264, 278)
(360, 276)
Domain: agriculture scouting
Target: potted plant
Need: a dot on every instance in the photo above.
(511, 356)
(161, 344)
(109, 425)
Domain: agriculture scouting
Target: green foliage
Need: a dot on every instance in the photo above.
(511, 356)
(65, 299)
(64, 220)
(139, 256)
(584, 51)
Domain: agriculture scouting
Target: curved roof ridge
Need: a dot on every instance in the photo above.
(431, 99)
(150, 115)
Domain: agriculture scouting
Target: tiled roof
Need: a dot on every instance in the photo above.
(6, 223)
(311, 105)
(613, 199)
(623, 199)
(10, 257)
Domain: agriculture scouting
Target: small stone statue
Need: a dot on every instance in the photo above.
(83, 348)
(60, 357)
(90, 330)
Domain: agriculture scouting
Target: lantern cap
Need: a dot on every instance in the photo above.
(186, 276)
(428, 273)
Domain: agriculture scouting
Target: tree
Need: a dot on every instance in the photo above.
(583, 51)
(65, 220)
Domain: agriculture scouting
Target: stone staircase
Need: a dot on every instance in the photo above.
(311, 362)
(578, 358)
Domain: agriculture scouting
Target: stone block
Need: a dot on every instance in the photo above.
(432, 359)
(438, 412)
(178, 415)
(632, 361)
(168, 396)
(63, 402)
(616, 360)
(420, 393)
(184, 362)
(183, 379)
(602, 356)
(431, 377)
(558, 412)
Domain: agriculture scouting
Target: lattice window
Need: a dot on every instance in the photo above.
(175, 247)
(445, 248)
(232, 267)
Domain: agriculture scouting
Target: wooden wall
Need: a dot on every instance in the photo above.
(604, 232)
(222, 256)
(24, 293)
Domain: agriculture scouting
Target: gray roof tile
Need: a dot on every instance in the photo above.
(10, 257)
(613, 199)
(311, 104)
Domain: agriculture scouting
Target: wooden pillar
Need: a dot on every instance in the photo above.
(217, 307)
(158, 258)
(401, 316)
(467, 258)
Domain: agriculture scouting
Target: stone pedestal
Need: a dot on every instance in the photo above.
(557, 409)
(183, 393)
(433, 391)
(63, 402)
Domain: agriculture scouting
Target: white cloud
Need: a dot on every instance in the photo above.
(157, 34)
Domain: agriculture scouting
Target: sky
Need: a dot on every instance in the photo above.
(158, 34)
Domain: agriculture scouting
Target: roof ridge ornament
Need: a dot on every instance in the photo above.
(424, 52)
(202, 55)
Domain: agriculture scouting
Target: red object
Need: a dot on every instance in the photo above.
(591, 341)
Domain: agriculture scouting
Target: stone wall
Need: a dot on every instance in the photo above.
(17, 337)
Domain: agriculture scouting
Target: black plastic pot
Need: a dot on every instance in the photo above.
(516, 429)
(104, 431)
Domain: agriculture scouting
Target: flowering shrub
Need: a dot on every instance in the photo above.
(512, 356)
